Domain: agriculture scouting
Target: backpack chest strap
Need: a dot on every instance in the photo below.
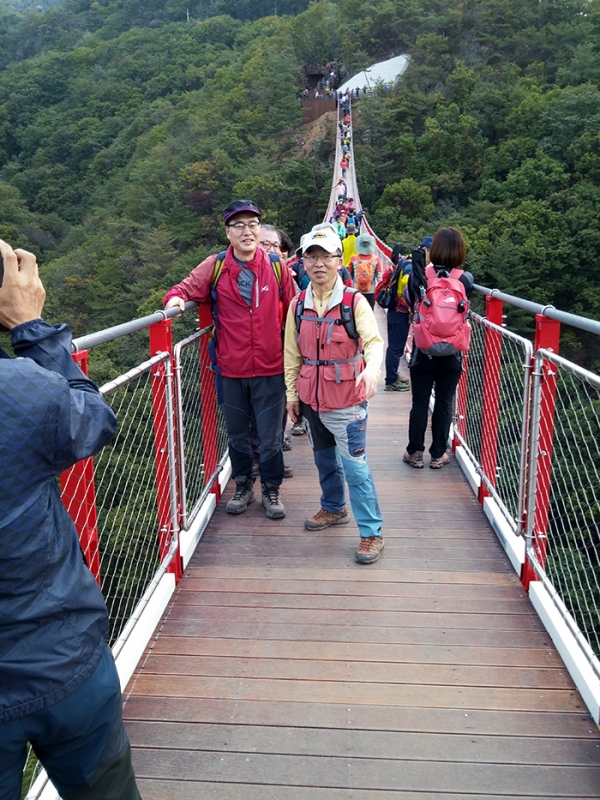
(335, 363)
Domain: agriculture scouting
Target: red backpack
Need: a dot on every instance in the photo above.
(440, 319)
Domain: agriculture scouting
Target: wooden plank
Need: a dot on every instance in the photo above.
(196, 790)
(367, 618)
(341, 572)
(193, 600)
(361, 773)
(345, 633)
(346, 557)
(286, 740)
(569, 724)
(318, 670)
(369, 653)
(384, 694)
(303, 546)
(399, 588)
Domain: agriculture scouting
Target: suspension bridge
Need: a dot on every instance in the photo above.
(258, 660)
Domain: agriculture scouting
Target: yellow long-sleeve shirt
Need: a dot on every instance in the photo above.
(348, 248)
(366, 325)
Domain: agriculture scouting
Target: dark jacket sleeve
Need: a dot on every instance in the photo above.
(85, 422)
(468, 282)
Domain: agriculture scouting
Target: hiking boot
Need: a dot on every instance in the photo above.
(414, 459)
(324, 519)
(243, 496)
(438, 463)
(287, 443)
(274, 508)
(288, 472)
(369, 549)
(402, 381)
(298, 429)
(396, 387)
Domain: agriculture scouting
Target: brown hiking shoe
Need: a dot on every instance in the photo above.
(243, 496)
(288, 472)
(369, 549)
(414, 459)
(274, 508)
(324, 519)
(438, 463)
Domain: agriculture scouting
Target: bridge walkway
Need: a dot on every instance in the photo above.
(282, 670)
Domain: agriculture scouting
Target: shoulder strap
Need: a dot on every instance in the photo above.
(347, 312)
(299, 310)
(218, 268)
(276, 266)
(216, 275)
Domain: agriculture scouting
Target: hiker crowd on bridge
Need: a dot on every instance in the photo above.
(295, 334)
(327, 367)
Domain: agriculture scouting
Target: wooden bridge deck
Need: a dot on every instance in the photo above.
(285, 671)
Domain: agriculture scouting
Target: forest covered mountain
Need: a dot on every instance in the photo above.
(127, 125)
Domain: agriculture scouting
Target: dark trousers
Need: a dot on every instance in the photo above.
(426, 374)
(80, 741)
(265, 396)
(397, 332)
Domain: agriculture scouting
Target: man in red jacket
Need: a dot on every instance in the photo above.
(250, 299)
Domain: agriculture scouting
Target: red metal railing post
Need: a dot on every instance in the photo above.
(79, 497)
(210, 419)
(161, 341)
(547, 337)
(491, 396)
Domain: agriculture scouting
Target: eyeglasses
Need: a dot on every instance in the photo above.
(328, 259)
(270, 246)
(242, 226)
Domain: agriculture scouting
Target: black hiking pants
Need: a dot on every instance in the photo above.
(426, 374)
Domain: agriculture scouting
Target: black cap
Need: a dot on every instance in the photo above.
(237, 206)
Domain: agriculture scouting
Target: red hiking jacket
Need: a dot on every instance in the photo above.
(249, 342)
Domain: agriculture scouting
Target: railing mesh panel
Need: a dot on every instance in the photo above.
(127, 503)
(573, 554)
(502, 439)
(200, 444)
(472, 384)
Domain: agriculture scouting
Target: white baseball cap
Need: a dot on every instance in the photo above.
(323, 237)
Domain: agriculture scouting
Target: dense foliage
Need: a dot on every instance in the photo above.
(127, 125)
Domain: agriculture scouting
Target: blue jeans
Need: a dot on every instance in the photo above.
(339, 439)
(80, 741)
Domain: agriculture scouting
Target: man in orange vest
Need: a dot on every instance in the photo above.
(333, 352)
